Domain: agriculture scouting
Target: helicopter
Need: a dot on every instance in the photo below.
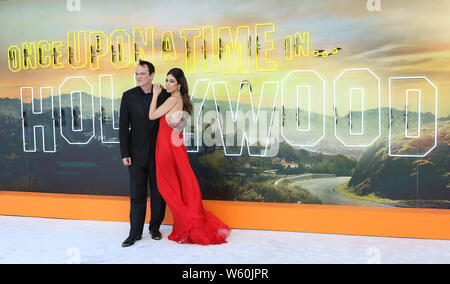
(324, 53)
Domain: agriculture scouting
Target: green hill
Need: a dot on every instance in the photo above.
(406, 178)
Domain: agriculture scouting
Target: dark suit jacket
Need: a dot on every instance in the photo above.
(138, 143)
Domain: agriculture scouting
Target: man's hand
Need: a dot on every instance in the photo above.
(175, 120)
(126, 161)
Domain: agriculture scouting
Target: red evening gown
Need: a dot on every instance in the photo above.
(179, 188)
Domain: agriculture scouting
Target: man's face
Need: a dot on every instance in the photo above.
(143, 78)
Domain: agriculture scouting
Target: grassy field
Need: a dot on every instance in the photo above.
(343, 189)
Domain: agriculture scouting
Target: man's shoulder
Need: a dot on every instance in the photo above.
(131, 91)
(164, 94)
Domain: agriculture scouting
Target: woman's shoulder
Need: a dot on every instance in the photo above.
(172, 100)
(176, 98)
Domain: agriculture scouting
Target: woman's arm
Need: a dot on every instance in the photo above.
(156, 113)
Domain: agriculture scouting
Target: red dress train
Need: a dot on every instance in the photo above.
(179, 188)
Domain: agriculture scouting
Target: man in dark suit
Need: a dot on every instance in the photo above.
(137, 148)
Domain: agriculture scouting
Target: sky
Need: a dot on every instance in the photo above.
(405, 38)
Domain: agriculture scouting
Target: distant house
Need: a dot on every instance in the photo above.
(289, 165)
(12, 156)
(285, 164)
(276, 161)
(250, 165)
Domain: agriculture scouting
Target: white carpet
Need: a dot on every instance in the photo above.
(40, 240)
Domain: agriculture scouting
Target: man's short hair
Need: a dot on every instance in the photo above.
(151, 68)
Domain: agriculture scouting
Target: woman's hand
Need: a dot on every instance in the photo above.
(157, 88)
(175, 120)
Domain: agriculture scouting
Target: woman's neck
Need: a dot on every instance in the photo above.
(176, 94)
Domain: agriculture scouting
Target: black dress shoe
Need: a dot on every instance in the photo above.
(131, 240)
(156, 234)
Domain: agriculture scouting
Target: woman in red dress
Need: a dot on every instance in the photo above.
(176, 180)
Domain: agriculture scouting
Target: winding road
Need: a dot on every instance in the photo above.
(323, 188)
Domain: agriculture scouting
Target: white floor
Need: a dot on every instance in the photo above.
(39, 240)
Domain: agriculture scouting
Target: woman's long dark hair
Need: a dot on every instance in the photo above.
(184, 90)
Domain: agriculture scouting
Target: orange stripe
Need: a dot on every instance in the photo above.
(333, 219)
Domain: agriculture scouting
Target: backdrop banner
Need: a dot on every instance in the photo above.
(307, 102)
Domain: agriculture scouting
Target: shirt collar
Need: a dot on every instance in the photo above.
(143, 93)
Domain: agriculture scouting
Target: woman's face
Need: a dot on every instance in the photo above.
(171, 84)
